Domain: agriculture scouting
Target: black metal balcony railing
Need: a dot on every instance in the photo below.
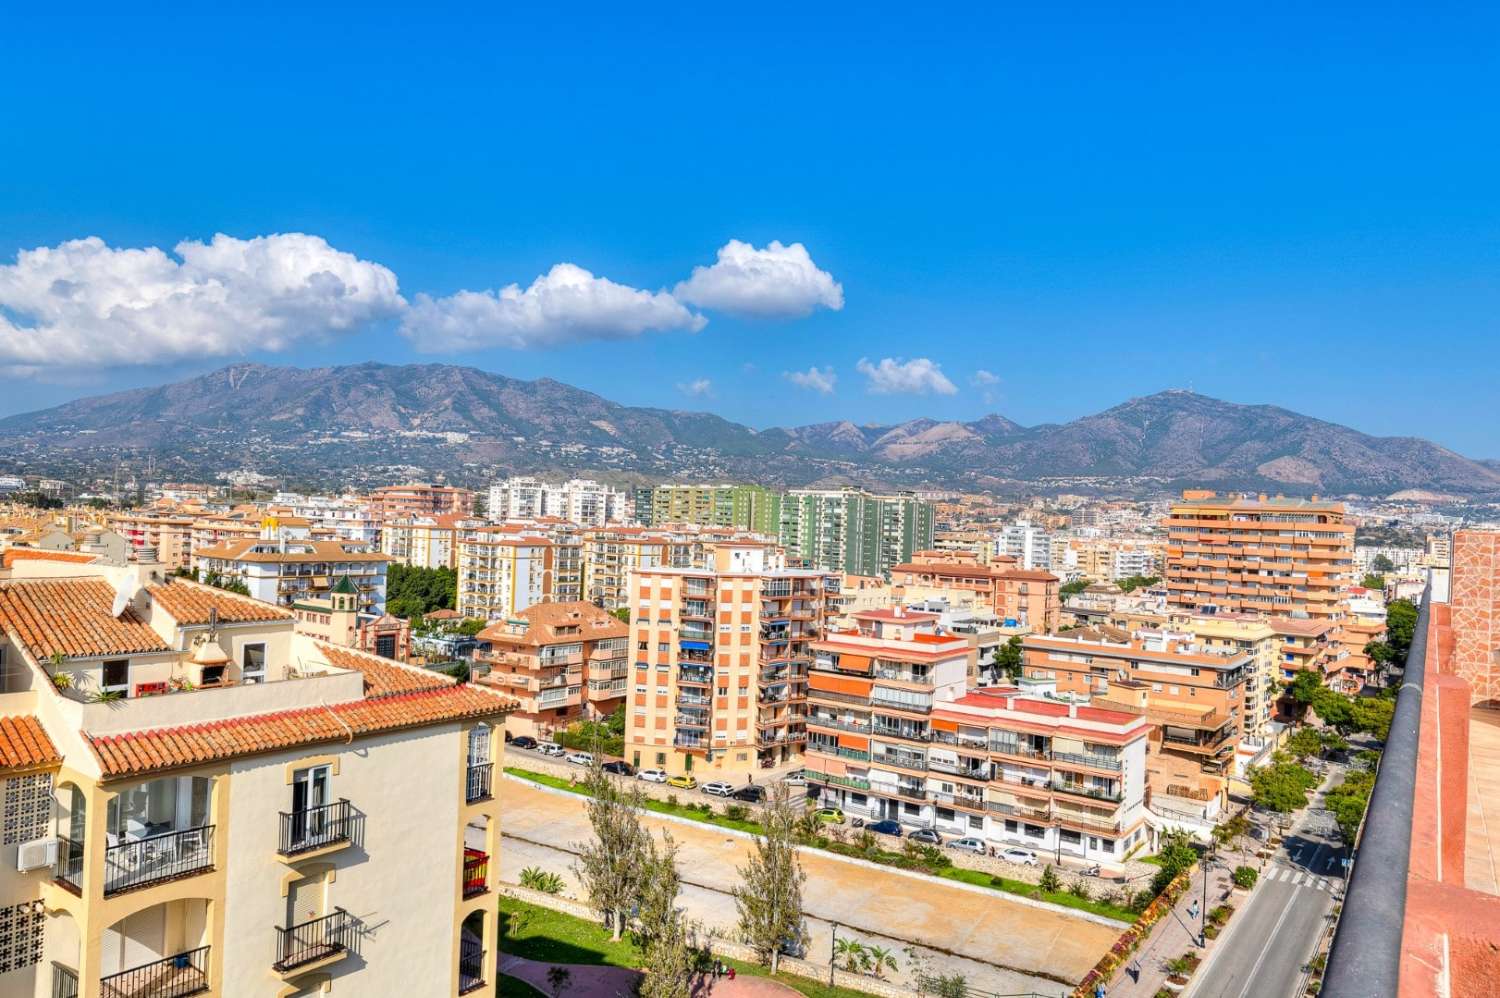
(470, 967)
(158, 857)
(316, 827)
(318, 939)
(64, 982)
(68, 869)
(477, 786)
(174, 976)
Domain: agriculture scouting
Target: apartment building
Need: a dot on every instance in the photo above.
(280, 570)
(559, 662)
(1194, 697)
(1242, 634)
(894, 732)
(612, 555)
(721, 657)
(501, 572)
(422, 541)
(850, 530)
(1028, 546)
(1019, 597)
(749, 507)
(199, 800)
(581, 501)
(395, 502)
(1261, 555)
(1308, 644)
(169, 536)
(345, 518)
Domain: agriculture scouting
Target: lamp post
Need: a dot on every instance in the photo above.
(833, 952)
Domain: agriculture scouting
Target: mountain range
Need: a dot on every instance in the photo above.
(368, 423)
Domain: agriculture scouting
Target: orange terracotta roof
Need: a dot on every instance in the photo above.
(384, 677)
(140, 752)
(24, 744)
(72, 616)
(189, 603)
(40, 554)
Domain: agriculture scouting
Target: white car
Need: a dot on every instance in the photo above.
(719, 788)
(968, 845)
(551, 748)
(1023, 857)
(796, 778)
(652, 775)
(581, 758)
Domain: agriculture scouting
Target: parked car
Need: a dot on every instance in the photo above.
(1024, 857)
(551, 748)
(619, 767)
(581, 758)
(830, 815)
(683, 782)
(968, 845)
(885, 827)
(796, 778)
(652, 775)
(926, 836)
(750, 793)
(525, 742)
(719, 788)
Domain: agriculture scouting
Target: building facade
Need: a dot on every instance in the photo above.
(853, 531)
(583, 502)
(395, 502)
(749, 507)
(280, 570)
(559, 662)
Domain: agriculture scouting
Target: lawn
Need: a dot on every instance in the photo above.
(538, 933)
(1007, 885)
(511, 987)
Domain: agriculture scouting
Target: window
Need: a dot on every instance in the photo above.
(253, 663)
(117, 675)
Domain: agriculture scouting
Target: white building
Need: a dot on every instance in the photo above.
(1029, 545)
(579, 500)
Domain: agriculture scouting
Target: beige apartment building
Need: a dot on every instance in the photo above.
(422, 541)
(501, 572)
(200, 800)
(1022, 598)
(171, 537)
(559, 662)
(397, 502)
(721, 658)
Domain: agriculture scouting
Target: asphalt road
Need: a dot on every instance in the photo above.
(1274, 936)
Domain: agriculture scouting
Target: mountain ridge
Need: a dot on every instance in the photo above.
(369, 421)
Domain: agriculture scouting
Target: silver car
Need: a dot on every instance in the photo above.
(969, 845)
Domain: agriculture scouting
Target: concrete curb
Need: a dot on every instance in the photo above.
(1059, 909)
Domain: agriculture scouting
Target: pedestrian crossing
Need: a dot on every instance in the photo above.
(1299, 878)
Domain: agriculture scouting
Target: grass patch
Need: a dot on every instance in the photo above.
(538, 933)
(979, 878)
(514, 987)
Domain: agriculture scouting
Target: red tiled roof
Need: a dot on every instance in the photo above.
(140, 752)
(384, 677)
(189, 603)
(24, 744)
(72, 616)
(14, 555)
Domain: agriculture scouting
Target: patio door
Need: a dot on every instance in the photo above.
(309, 795)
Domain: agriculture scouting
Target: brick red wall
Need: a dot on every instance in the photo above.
(1475, 606)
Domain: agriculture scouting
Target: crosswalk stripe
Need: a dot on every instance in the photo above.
(1322, 883)
(1298, 880)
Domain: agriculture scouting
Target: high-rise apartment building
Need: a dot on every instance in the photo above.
(853, 531)
(559, 662)
(749, 507)
(1030, 547)
(169, 535)
(250, 812)
(721, 657)
(422, 541)
(1020, 598)
(1260, 555)
(580, 501)
(501, 572)
(396, 501)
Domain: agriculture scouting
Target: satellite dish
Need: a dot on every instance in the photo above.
(122, 602)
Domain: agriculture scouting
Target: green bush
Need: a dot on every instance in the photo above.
(537, 879)
(1050, 880)
(1245, 876)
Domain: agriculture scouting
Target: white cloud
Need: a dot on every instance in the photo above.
(918, 376)
(778, 282)
(818, 380)
(981, 377)
(565, 305)
(85, 304)
(697, 388)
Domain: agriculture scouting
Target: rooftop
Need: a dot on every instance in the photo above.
(74, 618)
(190, 603)
(24, 744)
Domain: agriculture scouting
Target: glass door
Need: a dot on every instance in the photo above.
(309, 797)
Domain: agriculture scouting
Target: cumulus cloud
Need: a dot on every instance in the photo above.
(778, 282)
(86, 304)
(565, 305)
(816, 379)
(893, 376)
(697, 388)
(981, 378)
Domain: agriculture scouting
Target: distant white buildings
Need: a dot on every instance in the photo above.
(579, 500)
(1029, 545)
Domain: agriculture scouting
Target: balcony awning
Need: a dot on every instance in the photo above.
(694, 645)
(854, 742)
(942, 724)
(837, 684)
(854, 663)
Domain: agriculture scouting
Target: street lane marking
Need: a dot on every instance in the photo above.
(1266, 949)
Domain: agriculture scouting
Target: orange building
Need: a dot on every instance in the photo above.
(404, 501)
(1030, 598)
(560, 662)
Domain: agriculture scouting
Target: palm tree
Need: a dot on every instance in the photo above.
(852, 952)
(879, 959)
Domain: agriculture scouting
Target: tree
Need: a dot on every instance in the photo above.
(1400, 628)
(411, 592)
(878, 960)
(1380, 563)
(1304, 743)
(1050, 880)
(1281, 786)
(1349, 800)
(610, 867)
(1008, 657)
(1138, 582)
(769, 897)
(1373, 581)
(1074, 588)
(660, 928)
(621, 613)
(852, 952)
(1176, 854)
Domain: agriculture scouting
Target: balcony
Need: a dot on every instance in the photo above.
(828, 748)
(175, 976)
(316, 829)
(691, 721)
(981, 772)
(1113, 763)
(1087, 790)
(1020, 750)
(476, 880)
(477, 782)
(899, 760)
(149, 860)
(858, 727)
(695, 675)
(858, 783)
(470, 967)
(320, 941)
(907, 791)
(905, 734)
(64, 982)
(1020, 810)
(971, 801)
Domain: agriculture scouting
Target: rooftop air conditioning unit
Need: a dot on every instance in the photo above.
(36, 854)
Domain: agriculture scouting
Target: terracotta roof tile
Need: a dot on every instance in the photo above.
(14, 555)
(24, 744)
(189, 603)
(384, 677)
(72, 616)
(139, 752)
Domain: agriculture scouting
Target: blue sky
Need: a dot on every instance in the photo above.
(1276, 204)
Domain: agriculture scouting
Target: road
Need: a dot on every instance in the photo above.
(1274, 936)
(999, 944)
